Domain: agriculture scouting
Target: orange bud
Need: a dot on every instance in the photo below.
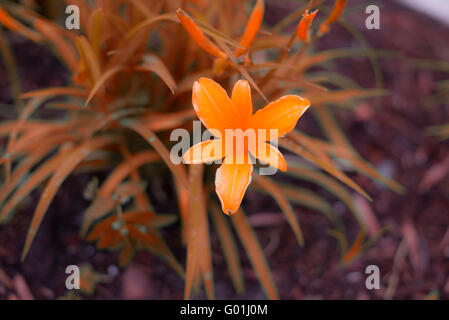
(198, 35)
(252, 27)
(336, 12)
(304, 25)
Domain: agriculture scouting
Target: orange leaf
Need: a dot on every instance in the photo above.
(42, 173)
(124, 169)
(355, 248)
(101, 82)
(14, 25)
(70, 162)
(198, 35)
(255, 254)
(252, 28)
(199, 263)
(127, 253)
(149, 136)
(336, 12)
(54, 34)
(273, 190)
(324, 162)
(89, 58)
(229, 249)
(58, 91)
(154, 64)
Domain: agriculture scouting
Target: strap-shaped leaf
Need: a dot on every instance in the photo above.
(101, 82)
(199, 262)
(177, 170)
(70, 162)
(152, 63)
(40, 175)
(255, 253)
(323, 162)
(328, 183)
(229, 247)
(57, 91)
(307, 198)
(274, 191)
(54, 34)
(11, 23)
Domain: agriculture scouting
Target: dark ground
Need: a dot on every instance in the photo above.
(393, 138)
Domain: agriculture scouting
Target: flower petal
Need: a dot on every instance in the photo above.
(270, 155)
(241, 98)
(281, 115)
(205, 151)
(231, 181)
(213, 106)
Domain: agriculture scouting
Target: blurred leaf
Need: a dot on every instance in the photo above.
(311, 200)
(11, 69)
(49, 92)
(88, 279)
(355, 248)
(101, 82)
(367, 169)
(38, 176)
(274, 191)
(255, 254)
(324, 163)
(229, 249)
(153, 64)
(9, 22)
(199, 261)
(327, 183)
(71, 160)
(54, 34)
(147, 134)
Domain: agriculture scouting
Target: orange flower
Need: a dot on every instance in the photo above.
(303, 27)
(231, 121)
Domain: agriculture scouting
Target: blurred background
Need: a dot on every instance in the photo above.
(391, 132)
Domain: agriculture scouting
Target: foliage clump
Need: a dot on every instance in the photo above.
(132, 67)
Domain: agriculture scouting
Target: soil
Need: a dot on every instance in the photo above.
(412, 256)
